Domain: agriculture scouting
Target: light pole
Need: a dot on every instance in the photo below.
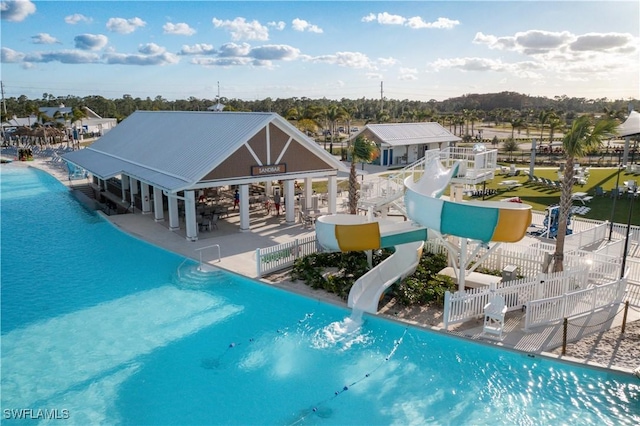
(613, 208)
(626, 240)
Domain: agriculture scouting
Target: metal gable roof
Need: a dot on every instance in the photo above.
(105, 167)
(176, 149)
(399, 134)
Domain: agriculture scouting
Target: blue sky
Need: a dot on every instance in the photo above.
(418, 50)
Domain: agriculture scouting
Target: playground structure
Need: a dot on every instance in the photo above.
(418, 191)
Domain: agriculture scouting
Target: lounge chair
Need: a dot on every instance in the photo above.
(600, 191)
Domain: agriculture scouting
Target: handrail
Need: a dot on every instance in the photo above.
(179, 267)
(208, 247)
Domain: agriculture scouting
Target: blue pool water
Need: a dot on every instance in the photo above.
(103, 328)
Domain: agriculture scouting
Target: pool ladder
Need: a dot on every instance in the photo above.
(201, 264)
(199, 250)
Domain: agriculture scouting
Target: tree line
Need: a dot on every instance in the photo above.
(459, 114)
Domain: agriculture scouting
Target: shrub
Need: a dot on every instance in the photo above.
(350, 266)
(425, 285)
(422, 287)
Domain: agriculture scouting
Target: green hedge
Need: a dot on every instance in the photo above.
(422, 287)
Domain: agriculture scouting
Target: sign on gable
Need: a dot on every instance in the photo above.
(268, 170)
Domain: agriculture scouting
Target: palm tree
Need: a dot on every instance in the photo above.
(334, 113)
(585, 135)
(516, 123)
(362, 151)
(348, 114)
(543, 117)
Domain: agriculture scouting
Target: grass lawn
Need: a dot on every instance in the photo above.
(539, 197)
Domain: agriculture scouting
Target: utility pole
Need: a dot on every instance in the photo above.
(381, 97)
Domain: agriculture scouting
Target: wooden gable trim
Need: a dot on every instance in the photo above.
(269, 146)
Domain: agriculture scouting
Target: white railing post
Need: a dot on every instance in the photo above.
(447, 309)
(258, 263)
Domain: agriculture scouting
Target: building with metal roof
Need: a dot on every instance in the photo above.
(405, 143)
(163, 158)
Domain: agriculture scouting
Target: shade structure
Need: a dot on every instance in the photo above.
(631, 125)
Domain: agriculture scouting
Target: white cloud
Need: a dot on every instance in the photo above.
(601, 42)
(44, 38)
(530, 70)
(408, 74)
(124, 26)
(441, 23)
(345, 59)
(567, 55)
(302, 25)
(198, 49)
(178, 29)
(374, 76)
(164, 58)
(63, 56)
(151, 49)
(229, 50)
(17, 10)
(387, 62)
(277, 25)
(469, 64)
(90, 41)
(222, 62)
(76, 18)
(9, 56)
(274, 52)
(240, 29)
(369, 18)
(415, 22)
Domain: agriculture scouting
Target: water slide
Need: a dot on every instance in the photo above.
(357, 233)
(484, 221)
(475, 220)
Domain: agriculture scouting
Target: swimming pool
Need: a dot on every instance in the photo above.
(100, 327)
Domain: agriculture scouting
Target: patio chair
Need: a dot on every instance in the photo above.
(213, 224)
(600, 191)
(494, 313)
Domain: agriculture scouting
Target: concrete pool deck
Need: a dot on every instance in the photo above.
(599, 341)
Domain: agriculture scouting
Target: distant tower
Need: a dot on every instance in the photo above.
(218, 106)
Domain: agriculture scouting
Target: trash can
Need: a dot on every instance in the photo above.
(509, 273)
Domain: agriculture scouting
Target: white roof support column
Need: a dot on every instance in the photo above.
(190, 215)
(133, 190)
(244, 208)
(158, 205)
(308, 191)
(332, 194)
(124, 183)
(290, 202)
(146, 199)
(267, 188)
(174, 215)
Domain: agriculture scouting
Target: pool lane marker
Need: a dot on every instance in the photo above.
(318, 408)
(213, 363)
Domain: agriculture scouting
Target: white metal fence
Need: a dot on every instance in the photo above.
(553, 309)
(468, 305)
(529, 260)
(282, 256)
